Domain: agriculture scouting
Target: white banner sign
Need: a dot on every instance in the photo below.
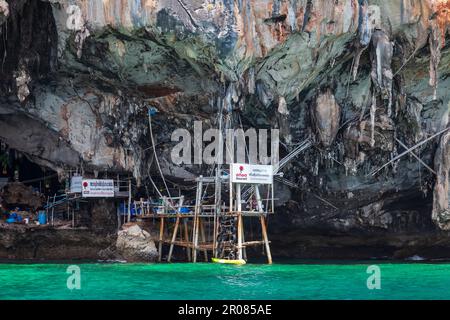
(251, 173)
(97, 188)
(75, 184)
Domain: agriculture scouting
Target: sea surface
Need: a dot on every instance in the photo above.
(306, 280)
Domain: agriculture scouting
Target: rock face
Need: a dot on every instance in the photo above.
(441, 208)
(19, 194)
(96, 232)
(326, 117)
(21, 242)
(135, 244)
(367, 78)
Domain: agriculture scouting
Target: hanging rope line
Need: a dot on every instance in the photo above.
(373, 173)
(299, 149)
(154, 152)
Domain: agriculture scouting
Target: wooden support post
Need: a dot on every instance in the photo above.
(161, 238)
(118, 217)
(129, 200)
(217, 204)
(244, 249)
(238, 198)
(231, 189)
(53, 208)
(194, 251)
(273, 199)
(239, 228)
(186, 238)
(198, 201)
(46, 209)
(202, 234)
(258, 199)
(174, 237)
(266, 239)
(239, 236)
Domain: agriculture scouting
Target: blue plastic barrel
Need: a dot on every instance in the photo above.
(42, 218)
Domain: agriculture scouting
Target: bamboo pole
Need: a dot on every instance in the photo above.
(239, 236)
(186, 238)
(174, 237)
(415, 156)
(273, 200)
(194, 254)
(244, 249)
(239, 210)
(231, 189)
(258, 199)
(217, 208)
(202, 234)
(409, 150)
(266, 239)
(118, 217)
(53, 207)
(161, 237)
(129, 200)
(196, 219)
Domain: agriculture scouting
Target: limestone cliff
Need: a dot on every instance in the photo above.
(365, 79)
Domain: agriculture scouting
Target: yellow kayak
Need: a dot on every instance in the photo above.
(226, 261)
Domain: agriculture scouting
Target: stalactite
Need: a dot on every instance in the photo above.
(77, 23)
(364, 27)
(435, 50)
(251, 81)
(381, 67)
(4, 11)
(282, 106)
(306, 17)
(373, 108)
(22, 81)
(365, 30)
(357, 60)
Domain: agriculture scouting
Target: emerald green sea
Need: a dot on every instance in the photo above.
(211, 281)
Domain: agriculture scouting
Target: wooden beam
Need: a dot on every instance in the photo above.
(202, 234)
(266, 239)
(129, 200)
(415, 156)
(198, 200)
(409, 151)
(253, 243)
(239, 236)
(161, 238)
(174, 237)
(244, 250)
(194, 253)
(186, 238)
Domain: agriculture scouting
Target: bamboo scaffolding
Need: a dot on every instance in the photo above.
(409, 151)
(415, 156)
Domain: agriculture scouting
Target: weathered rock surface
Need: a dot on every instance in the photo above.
(77, 79)
(135, 244)
(18, 194)
(23, 242)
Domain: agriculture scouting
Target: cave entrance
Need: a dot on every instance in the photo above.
(16, 167)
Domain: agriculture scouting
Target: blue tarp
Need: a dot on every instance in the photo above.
(14, 217)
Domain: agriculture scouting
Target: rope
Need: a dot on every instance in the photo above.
(156, 156)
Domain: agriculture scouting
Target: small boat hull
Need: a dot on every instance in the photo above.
(226, 261)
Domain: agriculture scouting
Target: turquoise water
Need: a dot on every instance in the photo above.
(212, 281)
